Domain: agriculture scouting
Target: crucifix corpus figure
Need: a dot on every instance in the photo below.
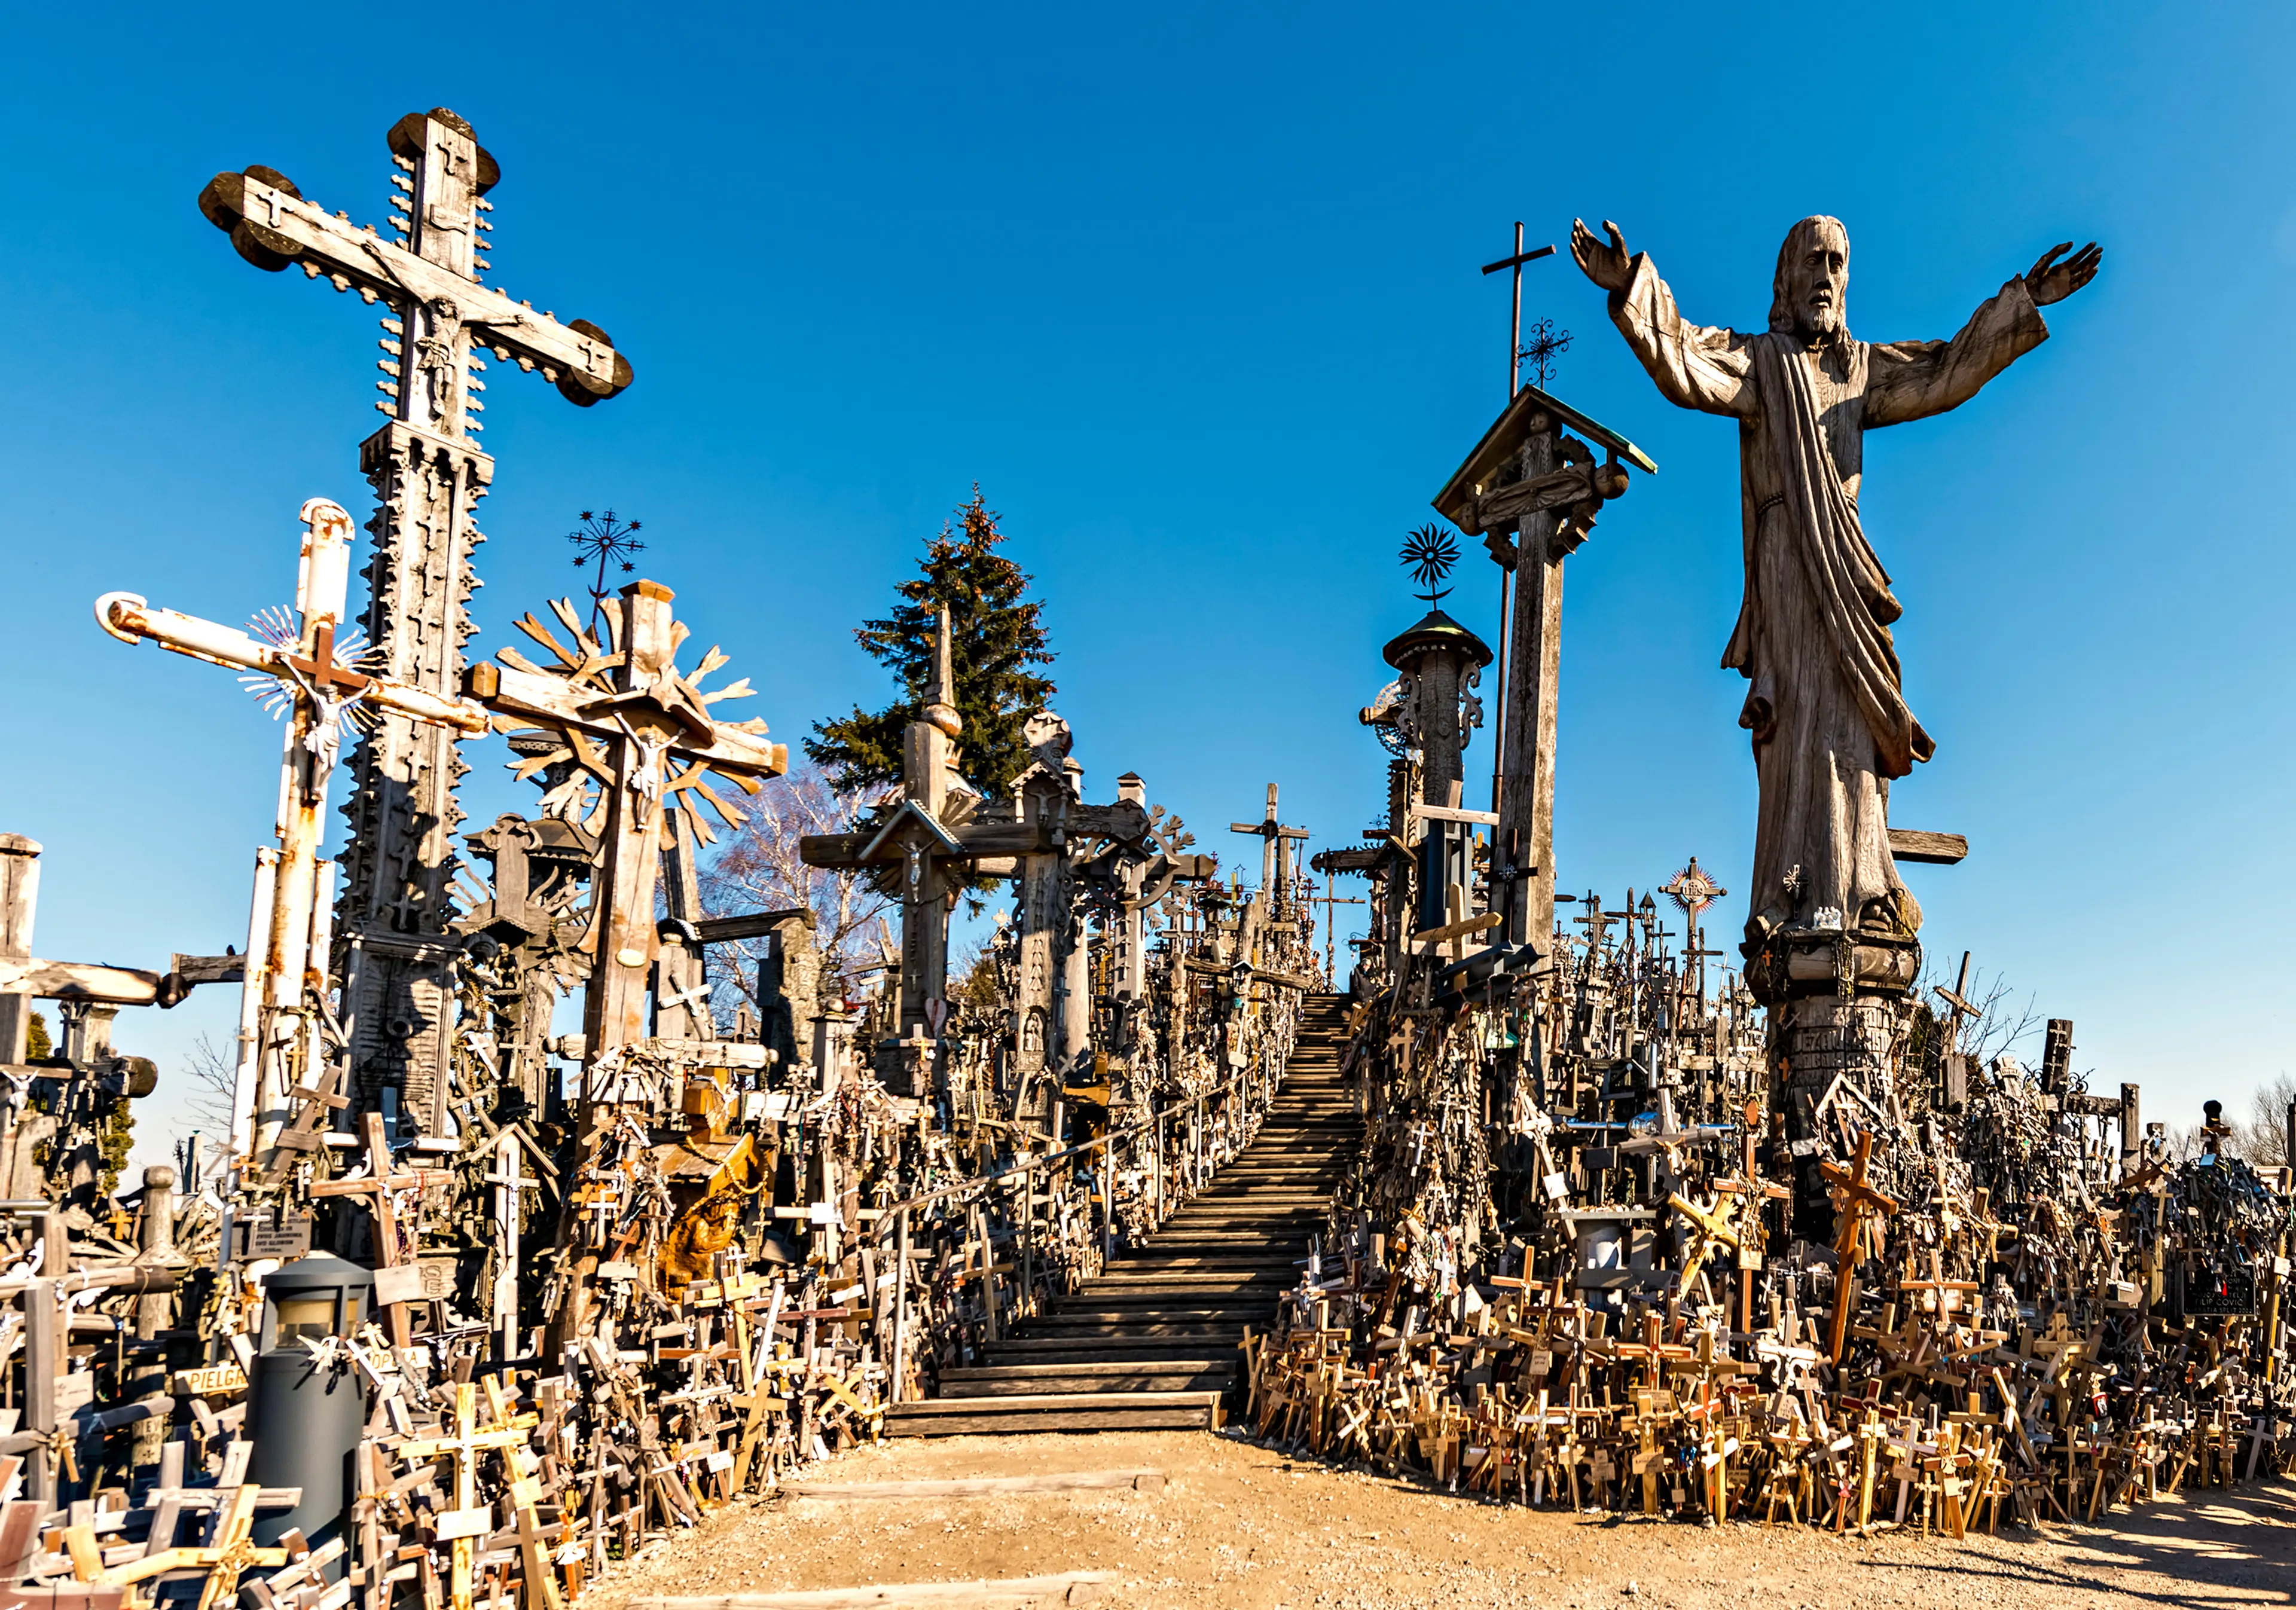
(1828, 716)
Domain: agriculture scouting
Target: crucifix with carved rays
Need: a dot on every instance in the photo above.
(635, 734)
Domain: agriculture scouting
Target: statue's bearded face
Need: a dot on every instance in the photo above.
(1817, 280)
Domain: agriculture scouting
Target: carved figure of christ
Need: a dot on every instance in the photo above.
(1825, 708)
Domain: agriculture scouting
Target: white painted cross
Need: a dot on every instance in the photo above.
(296, 671)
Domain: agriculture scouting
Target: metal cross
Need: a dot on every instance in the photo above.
(1515, 323)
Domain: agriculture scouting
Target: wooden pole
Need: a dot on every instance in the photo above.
(1027, 1238)
(40, 1371)
(20, 893)
(1526, 802)
(900, 1304)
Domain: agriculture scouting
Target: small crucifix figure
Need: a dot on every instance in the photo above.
(298, 667)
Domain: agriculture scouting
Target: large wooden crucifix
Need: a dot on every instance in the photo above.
(299, 668)
(1275, 860)
(1529, 479)
(635, 734)
(428, 473)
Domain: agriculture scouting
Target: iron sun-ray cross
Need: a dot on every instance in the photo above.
(428, 472)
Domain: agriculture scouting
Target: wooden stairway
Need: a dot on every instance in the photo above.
(1152, 1341)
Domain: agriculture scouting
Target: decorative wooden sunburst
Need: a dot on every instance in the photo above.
(588, 668)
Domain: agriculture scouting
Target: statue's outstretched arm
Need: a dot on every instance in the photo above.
(1694, 365)
(1915, 379)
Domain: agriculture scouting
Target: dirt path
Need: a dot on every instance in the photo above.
(1238, 1525)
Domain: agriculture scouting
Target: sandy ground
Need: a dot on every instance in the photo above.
(1240, 1526)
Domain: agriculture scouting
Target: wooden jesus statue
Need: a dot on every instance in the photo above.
(1828, 717)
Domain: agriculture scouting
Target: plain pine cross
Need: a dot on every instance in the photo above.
(1857, 1199)
(466, 1445)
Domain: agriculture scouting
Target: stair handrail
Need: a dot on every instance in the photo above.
(983, 1183)
(980, 1185)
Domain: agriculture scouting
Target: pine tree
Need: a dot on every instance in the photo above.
(997, 634)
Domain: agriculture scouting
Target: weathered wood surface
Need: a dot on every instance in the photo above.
(277, 219)
(78, 981)
(1122, 821)
(1935, 849)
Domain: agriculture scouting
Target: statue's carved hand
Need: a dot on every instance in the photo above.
(2049, 280)
(1611, 266)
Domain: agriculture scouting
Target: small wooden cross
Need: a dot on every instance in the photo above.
(465, 1446)
(1857, 1198)
(378, 1184)
(230, 1553)
(1272, 834)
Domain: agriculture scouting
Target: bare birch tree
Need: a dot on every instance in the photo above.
(2263, 1138)
(757, 869)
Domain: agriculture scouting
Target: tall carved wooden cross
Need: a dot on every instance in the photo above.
(1275, 862)
(1028, 836)
(298, 669)
(1528, 477)
(636, 733)
(428, 473)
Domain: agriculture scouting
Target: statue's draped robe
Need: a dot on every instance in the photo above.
(1829, 722)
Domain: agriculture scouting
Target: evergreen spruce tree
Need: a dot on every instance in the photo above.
(997, 636)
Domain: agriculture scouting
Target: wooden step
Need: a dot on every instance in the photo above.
(1056, 1411)
(1103, 1374)
(1106, 1350)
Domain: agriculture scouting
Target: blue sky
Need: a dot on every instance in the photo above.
(1191, 293)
